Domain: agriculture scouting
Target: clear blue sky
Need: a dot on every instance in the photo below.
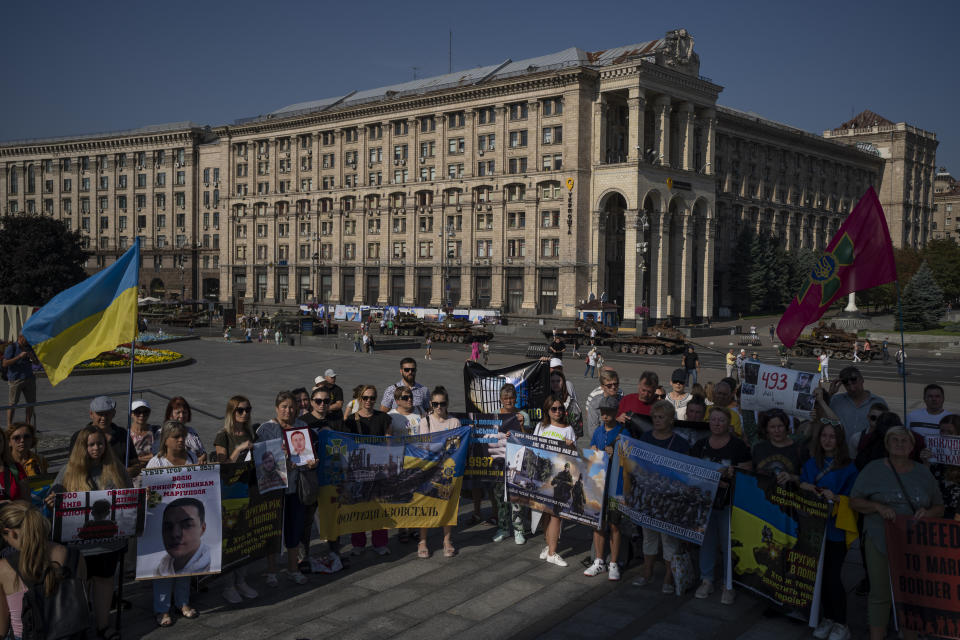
(72, 68)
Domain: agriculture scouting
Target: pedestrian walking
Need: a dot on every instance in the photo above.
(856, 351)
(885, 351)
(901, 362)
(486, 353)
(356, 341)
(429, 354)
(824, 366)
(591, 369)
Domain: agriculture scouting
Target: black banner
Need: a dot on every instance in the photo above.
(488, 444)
(252, 523)
(482, 387)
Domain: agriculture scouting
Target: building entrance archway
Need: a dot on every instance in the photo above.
(614, 236)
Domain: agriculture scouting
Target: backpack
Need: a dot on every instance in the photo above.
(63, 615)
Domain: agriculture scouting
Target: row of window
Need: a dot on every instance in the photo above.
(516, 248)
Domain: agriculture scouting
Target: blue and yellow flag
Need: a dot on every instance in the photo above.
(87, 319)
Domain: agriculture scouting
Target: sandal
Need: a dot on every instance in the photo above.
(448, 550)
(422, 550)
(163, 620)
(189, 612)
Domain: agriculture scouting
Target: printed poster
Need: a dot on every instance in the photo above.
(767, 387)
(90, 518)
(662, 489)
(776, 538)
(299, 446)
(488, 444)
(271, 465)
(182, 533)
(252, 521)
(482, 387)
(945, 449)
(383, 482)
(547, 476)
(923, 574)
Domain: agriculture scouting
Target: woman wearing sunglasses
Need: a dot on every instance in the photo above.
(554, 425)
(22, 437)
(368, 421)
(437, 420)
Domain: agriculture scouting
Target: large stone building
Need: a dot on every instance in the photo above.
(946, 207)
(525, 186)
(909, 168)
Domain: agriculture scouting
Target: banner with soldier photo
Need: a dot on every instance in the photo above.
(482, 387)
(252, 521)
(776, 539)
(488, 444)
(182, 533)
(767, 387)
(374, 482)
(90, 518)
(550, 477)
(662, 489)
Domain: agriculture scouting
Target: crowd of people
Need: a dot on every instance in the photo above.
(852, 446)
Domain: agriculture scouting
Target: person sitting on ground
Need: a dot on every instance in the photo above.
(22, 438)
(605, 439)
(34, 560)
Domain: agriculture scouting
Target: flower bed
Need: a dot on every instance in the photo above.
(120, 357)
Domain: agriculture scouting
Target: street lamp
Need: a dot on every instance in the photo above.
(643, 247)
(446, 232)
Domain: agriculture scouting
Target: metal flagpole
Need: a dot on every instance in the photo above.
(903, 351)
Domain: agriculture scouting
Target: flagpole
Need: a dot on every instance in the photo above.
(903, 350)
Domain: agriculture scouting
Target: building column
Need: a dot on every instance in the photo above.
(661, 238)
(662, 107)
(409, 284)
(636, 104)
(335, 288)
(709, 241)
(630, 275)
(598, 243)
(496, 284)
(436, 286)
(686, 265)
(384, 275)
(567, 300)
(710, 140)
(530, 287)
(359, 285)
(686, 121)
(466, 285)
(599, 130)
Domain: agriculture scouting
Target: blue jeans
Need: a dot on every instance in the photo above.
(900, 369)
(717, 533)
(591, 371)
(691, 377)
(162, 588)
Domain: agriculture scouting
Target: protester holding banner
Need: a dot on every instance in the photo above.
(435, 421)
(297, 517)
(92, 466)
(35, 560)
(322, 415)
(609, 387)
(233, 442)
(720, 447)
(554, 425)
(13, 479)
(558, 387)
(831, 473)
(605, 439)
(642, 401)
(777, 453)
(173, 452)
(884, 489)
(22, 438)
(508, 514)
(947, 475)
(142, 433)
(404, 417)
(179, 409)
(368, 421)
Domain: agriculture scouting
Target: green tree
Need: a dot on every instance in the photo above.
(742, 265)
(943, 257)
(39, 258)
(922, 301)
(756, 275)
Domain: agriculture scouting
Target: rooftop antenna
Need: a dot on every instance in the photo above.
(450, 54)
(414, 72)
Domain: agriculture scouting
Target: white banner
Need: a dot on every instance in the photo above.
(945, 449)
(89, 518)
(767, 387)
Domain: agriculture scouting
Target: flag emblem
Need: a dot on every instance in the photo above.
(826, 271)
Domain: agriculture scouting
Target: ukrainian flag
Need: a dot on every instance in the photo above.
(87, 319)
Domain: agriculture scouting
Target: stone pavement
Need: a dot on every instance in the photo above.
(488, 590)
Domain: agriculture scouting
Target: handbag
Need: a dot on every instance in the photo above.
(308, 486)
(684, 576)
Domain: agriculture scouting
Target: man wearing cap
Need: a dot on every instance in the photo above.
(853, 407)
(102, 411)
(609, 387)
(690, 361)
(329, 380)
(678, 396)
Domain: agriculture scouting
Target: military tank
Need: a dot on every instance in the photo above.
(828, 339)
(658, 340)
(580, 331)
(454, 330)
(407, 324)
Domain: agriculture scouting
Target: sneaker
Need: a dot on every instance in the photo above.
(382, 551)
(545, 553)
(839, 632)
(246, 590)
(519, 538)
(641, 582)
(668, 589)
(501, 536)
(728, 596)
(557, 560)
(232, 596)
(595, 568)
(613, 572)
(297, 577)
(823, 629)
(704, 590)
(271, 580)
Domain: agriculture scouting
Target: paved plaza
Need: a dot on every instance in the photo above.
(489, 590)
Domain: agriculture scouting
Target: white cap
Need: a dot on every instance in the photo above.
(330, 373)
(137, 404)
(556, 362)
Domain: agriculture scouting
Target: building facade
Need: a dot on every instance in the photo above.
(527, 186)
(946, 207)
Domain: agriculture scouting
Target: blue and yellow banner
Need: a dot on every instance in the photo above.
(374, 482)
(87, 319)
(776, 539)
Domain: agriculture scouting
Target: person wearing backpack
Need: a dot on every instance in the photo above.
(42, 581)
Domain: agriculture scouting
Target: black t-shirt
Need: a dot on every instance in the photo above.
(675, 442)
(557, 347)
(330, 422)
(733, 453)
(376, 425)
(336, 395)
(690, 360)
(772, 459)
